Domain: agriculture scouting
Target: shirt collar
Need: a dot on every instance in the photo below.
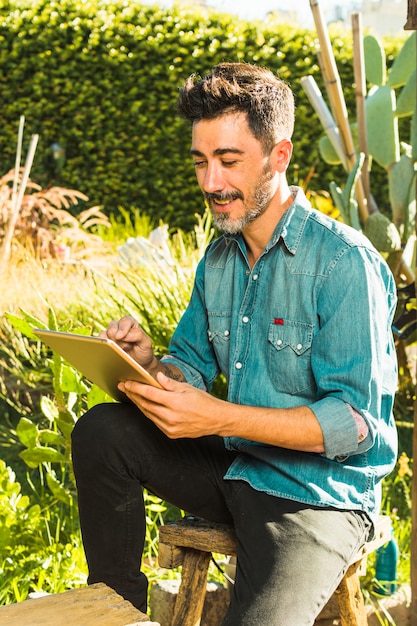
(291, 226)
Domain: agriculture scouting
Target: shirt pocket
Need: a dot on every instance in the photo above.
(290, 355)
(219, 338)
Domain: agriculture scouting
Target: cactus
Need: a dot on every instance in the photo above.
(391, 95)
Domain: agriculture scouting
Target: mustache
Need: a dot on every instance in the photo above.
(223, 197)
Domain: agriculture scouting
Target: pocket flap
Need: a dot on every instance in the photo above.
(288, 333)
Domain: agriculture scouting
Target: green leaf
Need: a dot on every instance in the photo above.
(406, 101)
(72, 380)
(156, 508)
(65, 422)
(375, 61)
(382, 126)
(354, 215)
(42, 454)
(49, 408)
(51, 437)
(52, 321)
(339, 201)
(400, 177)
(97, 396)
(352, 179)
(21, 325)
(404, 63)
(327, 151)
(57, 489)
(27, 432)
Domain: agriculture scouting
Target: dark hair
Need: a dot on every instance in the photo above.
(232, 87)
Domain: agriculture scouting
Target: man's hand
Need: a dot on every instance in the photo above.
(132, 339)
(179, 409)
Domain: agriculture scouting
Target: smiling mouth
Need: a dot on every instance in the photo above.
(221, 200)
(224, 202)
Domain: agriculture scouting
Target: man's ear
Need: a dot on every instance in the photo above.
(281, 155)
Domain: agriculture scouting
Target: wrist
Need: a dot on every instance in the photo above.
(154, 366)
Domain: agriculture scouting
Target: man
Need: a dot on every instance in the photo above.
(295, 310)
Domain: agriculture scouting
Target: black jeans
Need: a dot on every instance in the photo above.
(290, 556)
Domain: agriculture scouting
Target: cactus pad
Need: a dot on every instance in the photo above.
(375, 63)
(382, 233)
(382, 125)
(404, 63)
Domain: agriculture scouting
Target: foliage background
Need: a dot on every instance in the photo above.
(101, 77)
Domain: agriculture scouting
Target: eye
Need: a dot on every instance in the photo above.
(228, 163)
(199, 163)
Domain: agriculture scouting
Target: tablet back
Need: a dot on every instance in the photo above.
(99, 359)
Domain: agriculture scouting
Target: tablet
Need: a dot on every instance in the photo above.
(99, 359)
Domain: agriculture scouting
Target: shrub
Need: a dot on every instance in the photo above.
(40, 545)
(100, 78)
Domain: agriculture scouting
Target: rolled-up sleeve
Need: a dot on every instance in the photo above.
(353, 354)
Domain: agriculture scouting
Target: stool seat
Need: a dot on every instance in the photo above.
(191, 541)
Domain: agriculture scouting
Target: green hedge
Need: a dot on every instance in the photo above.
(101, 78)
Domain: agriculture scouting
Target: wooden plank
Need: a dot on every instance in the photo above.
(170, 556)
(350, 599)
(192, 591)
(96, 605)
(199, 535)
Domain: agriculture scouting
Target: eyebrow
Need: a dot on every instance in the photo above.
(218, 151)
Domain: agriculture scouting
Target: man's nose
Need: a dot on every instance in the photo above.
(213, 179)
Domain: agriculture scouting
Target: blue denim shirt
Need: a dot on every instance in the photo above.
(309, 324)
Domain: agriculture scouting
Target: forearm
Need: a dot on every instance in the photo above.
(168, 369)
(294, 428)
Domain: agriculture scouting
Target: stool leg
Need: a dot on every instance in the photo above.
(350, 599)
(192, 591)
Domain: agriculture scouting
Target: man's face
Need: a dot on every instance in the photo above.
(232, 171)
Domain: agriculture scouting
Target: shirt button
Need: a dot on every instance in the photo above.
(255, 277)
(279, 342)
(238, 365)
(245, 319)
(299, 346)
(226, 333)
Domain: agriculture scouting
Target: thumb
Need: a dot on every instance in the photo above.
(169, 384)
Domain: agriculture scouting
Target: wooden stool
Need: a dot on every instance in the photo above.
(190, 542)
(96, 605)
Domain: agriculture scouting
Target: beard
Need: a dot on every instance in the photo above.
(256, 204)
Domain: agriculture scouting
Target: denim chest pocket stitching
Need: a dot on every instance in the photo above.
(219, 327)
(296, 335)
(219, 336)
